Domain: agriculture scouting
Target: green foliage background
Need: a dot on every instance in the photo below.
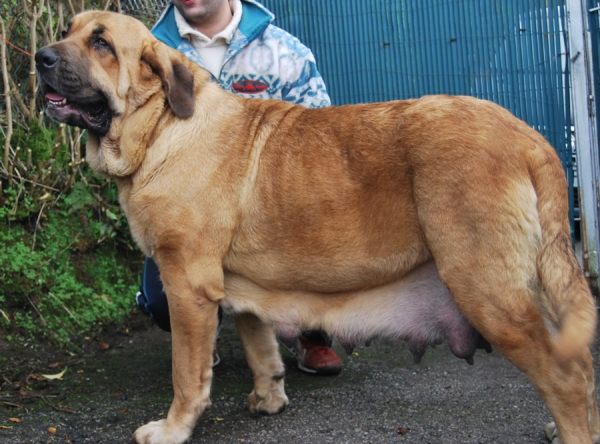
(68, 265)
(67, 268)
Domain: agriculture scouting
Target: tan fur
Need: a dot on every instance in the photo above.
(296, 217)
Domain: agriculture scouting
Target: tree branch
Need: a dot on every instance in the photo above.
(7, 98)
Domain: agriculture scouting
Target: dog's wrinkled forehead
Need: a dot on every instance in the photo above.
(104, 28)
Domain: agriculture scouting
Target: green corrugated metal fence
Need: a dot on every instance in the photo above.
(511, 52)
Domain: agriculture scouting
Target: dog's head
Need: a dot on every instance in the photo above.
(109, 75)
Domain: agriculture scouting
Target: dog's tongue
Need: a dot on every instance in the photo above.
(54, 97)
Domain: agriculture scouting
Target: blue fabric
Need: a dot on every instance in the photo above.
(152, 299)
(261, 52)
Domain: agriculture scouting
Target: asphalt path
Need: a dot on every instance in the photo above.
(121, 380)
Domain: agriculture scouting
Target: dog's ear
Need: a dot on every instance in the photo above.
(177, 80)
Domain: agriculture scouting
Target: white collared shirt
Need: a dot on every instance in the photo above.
(212, 50)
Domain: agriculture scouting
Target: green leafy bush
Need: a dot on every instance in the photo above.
(72, 272)
(35, 138)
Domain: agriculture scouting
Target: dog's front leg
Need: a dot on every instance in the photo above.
(262, 353)
(193, 310)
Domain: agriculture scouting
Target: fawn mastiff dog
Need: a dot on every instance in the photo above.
(429, 219)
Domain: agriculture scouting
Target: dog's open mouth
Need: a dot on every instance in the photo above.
(93, 115)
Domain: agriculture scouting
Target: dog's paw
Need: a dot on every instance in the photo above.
(552, 433)
(271, 404)
(160, 432)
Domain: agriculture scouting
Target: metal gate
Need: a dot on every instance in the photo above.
(511, 52)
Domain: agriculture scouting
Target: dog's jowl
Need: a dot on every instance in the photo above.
(357, 219)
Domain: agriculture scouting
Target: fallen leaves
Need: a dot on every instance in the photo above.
(119, 395)
(5, 316)
(41, 377)
(15, 420)
(56, 376)
(101, 345)
(52, 430)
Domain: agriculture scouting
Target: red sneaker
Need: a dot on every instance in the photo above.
(316, 359)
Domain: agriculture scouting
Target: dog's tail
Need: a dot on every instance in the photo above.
(566, 290)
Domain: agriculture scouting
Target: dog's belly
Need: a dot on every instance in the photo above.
(320, 274)
(417, 308)
(329, 255)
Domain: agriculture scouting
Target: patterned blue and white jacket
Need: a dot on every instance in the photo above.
(262, 60)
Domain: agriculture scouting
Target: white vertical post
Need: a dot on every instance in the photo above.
(586, 140)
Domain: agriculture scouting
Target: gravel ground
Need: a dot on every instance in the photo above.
(121, 380)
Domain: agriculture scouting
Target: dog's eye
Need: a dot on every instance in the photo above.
(101, 42)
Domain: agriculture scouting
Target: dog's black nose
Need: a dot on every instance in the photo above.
(46, 58)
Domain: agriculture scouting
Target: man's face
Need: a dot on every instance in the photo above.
(198, 12)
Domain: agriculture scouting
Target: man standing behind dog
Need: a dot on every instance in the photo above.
(237, 43)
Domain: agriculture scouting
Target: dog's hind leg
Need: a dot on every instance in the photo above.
(497, 292)
(568, 390)
(262, 353)
(506, 256)
(508, 318)
(502, 305)
(587, 367)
